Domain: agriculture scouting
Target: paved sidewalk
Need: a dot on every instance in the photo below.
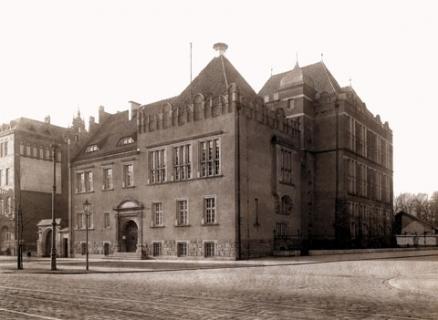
(102, 265)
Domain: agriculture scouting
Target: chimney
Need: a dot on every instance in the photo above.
(102, 114)
(220, 47)
(47, 119)
(133, 110)
(92, 125)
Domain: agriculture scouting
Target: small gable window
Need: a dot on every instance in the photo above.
(125, 141)
(92, 148)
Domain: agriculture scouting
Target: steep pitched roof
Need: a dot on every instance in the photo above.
(108, 135)
(212, 81)
(316, 75)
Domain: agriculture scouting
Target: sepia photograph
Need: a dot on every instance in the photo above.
(218, 159)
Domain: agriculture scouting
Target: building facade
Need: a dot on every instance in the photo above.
(221, 171)
(26, 182)
(347, 164)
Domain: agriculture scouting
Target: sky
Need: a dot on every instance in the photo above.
(60, 56)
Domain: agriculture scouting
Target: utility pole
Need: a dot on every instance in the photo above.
(53, 252)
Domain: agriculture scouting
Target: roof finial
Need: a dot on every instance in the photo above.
(220, 47)
(79, 112)
(350, 80)
(322, 57)
(296, 59)
(272, 69)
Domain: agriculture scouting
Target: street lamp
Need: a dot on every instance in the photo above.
(87, 210)
(53, 251)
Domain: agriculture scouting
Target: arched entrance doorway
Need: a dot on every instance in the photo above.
(130, 236)
(48, 243)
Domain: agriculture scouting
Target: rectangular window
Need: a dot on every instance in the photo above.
(6, 206)
(48, 154)
(182, 213)
(34, 152)
(359, 138)
(157, 213)
(106, 220)
(7, 177)
(41, 153)
(80, 222)
(350, 133)
(281, 229)
(157, 166)
(89, 181)
(210, 210)
(181, 250)
(286, 166)
(107, 178)
(209, 249)
(4, 149)
(84, 181)
(80, 182)
(89, 219)
(182, 162)
(156, 249)
(378, 150)
(22, 149)
(1, 177)
(2, 206)
(209, 157)
(351, 175)
(28, 151)
(128, 175)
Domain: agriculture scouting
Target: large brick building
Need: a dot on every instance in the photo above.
(220, 170)
(347, 160)
(26, 180)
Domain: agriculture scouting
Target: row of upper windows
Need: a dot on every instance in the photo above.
(85, 178)
(365, 181)
(182, 167)
(368, 144)
(5, 177)
(182, 161)
(209, 215)
(39, 152)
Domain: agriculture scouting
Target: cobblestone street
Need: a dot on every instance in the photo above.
(377, 287)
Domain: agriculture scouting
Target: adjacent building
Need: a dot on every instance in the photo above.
(27, 164)
(223, 171)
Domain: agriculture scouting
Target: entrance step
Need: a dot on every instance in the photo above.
(286, 253)
(124, 256)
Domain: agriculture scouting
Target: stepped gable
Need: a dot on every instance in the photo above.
(317, 75)
(108, 135)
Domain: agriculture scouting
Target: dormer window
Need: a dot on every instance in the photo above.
(125, 141)
(92, 148)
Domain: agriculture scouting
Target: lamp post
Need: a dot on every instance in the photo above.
(87, 208)
(53, 251)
